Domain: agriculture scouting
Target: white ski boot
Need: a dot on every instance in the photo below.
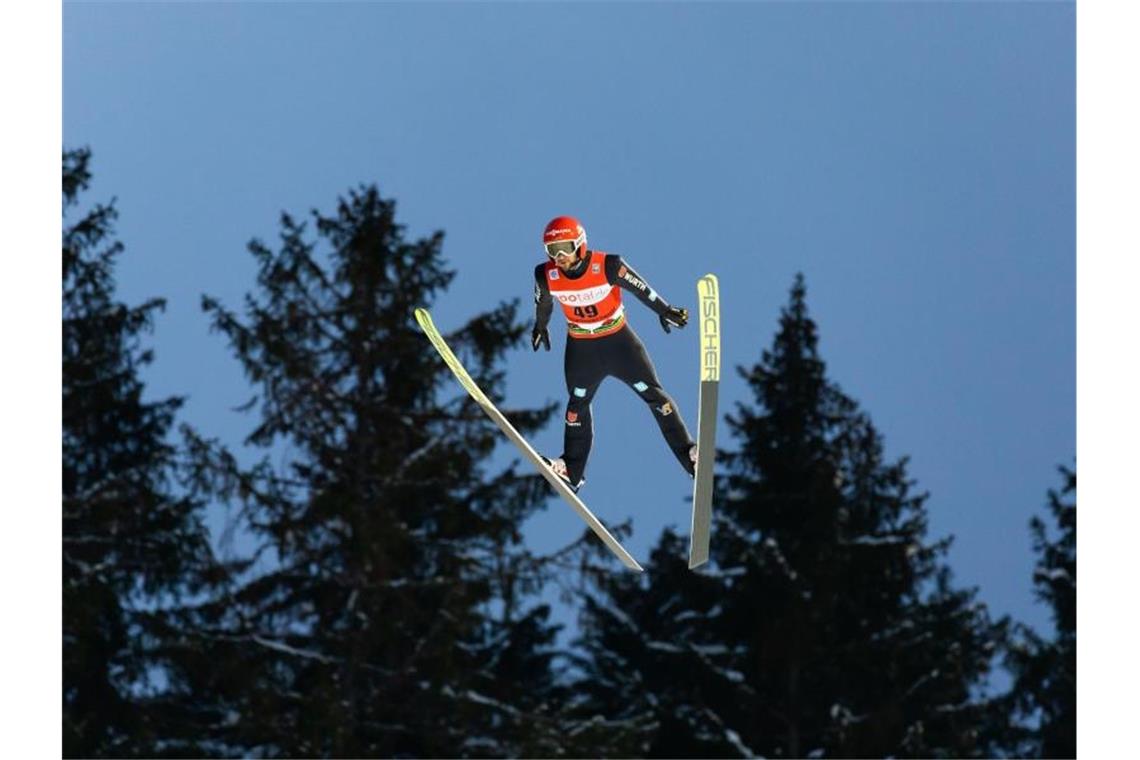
(558, 465)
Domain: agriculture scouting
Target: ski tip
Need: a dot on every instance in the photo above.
(422, 316)
(708, 286)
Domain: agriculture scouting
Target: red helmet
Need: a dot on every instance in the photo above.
(564, 234)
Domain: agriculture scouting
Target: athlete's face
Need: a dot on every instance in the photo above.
(564, 253)
(565, 261)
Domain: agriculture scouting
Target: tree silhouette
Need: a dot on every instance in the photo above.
(132, 547)
(1042, 701)
(391, 611)
(826, 625)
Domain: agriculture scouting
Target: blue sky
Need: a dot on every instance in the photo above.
(915, 161)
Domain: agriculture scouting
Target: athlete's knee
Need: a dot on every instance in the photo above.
(662, 405)
(656, 397)
(580, 398)
(666, 408)
(577, 409)
(580, 394)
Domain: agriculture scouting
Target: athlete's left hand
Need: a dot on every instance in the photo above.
(674, 317)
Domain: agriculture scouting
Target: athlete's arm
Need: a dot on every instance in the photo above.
(621, 273)
(543, 308)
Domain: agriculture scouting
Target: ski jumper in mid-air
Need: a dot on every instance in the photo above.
(600, 341)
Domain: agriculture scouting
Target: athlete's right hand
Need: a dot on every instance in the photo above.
(539, 337)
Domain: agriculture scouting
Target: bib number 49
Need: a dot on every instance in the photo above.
(585, 311)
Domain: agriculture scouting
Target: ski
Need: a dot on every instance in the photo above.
(708, 302)
(449, 358)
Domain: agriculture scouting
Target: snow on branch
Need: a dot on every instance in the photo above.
(1053, 575)
(732, 737)
(419, 453)
(662, 646)
(877, 541)
(285, 648)
(482, 699)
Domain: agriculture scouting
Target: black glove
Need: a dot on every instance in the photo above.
(539, 337)
(674, 317)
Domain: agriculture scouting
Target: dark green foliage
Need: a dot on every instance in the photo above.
(658, 678)
(827, 623)
(131, 546)
(388, 614)
(1042, 701)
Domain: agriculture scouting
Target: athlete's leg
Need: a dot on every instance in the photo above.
(584, 373)
(636, 370)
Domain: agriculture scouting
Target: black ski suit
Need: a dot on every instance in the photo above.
(621, 354)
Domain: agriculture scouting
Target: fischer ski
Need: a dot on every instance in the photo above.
(708, 301)
(426, 324)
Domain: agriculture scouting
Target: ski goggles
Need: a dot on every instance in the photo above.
(561, 248)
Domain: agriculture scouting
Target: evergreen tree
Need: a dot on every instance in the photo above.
(826, 624)
(392, 615)
(1044, 691)
(655, 677)
(132, 547)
